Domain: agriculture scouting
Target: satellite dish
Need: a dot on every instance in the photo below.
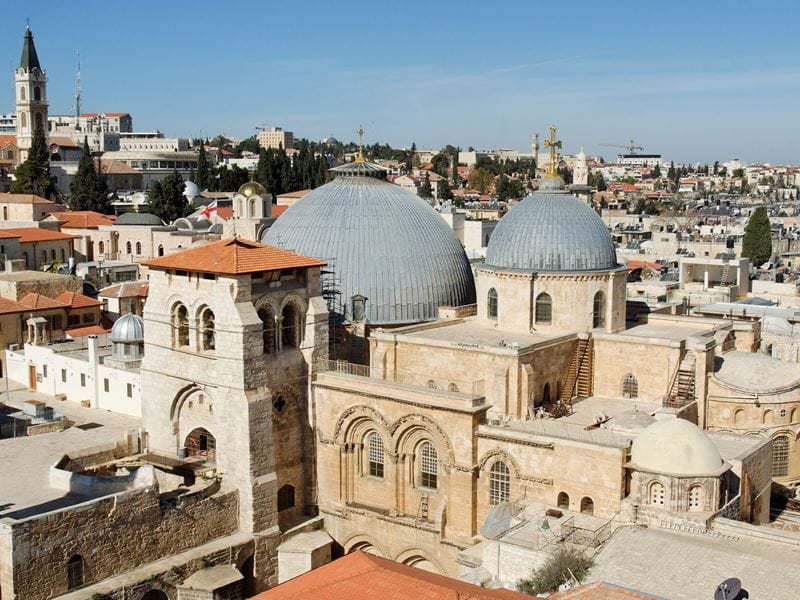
(728, 589)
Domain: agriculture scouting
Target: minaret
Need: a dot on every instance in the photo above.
(30, 84)
(535, 148)
(580, 173)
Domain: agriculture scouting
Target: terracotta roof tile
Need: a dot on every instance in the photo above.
(83, 219)
(76, 300)
(37, 234)
(39, 302)
(233, 257)
(8, 307)
(360, 576)
(277, 211)
(5, 140)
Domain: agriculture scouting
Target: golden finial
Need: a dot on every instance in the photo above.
(552, 143)
(360, 158)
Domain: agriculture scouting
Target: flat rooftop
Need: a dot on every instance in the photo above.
(475, 333)
(683, 566)
(22, 497)
(586, 411)
(21, 276)
(673, 332)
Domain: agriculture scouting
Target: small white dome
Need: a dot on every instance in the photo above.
(677, 447)
(128, 328)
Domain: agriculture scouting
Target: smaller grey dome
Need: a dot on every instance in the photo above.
(133, 218)
(128, 329)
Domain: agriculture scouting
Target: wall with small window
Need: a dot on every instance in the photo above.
(552, 301)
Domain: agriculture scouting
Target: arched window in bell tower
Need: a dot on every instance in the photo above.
(37, 93)
(39, 121)
(22, 93)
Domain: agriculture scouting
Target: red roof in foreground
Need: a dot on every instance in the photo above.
(360, 576)
(233, 257)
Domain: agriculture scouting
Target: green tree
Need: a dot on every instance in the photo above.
(166, 198)
(443, 190)
(246, 145)
(563, 566)
(738, 172)
(425, 190)
(33, 175)
(480, 179)
(507, 188)
(88, 189)
(757, 243)
(440, 164)
(203, 173)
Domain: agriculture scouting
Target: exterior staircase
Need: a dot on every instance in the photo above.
(578, 383)
(682, 388)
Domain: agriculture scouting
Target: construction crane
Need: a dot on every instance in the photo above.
(630, 147)
(263, 127)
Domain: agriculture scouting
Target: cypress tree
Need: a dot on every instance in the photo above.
(757, 243)
(33, 175)
(88, 189)
(203, 176)
(166, 198)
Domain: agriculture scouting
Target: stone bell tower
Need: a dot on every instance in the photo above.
(232, 330)
(30, 85)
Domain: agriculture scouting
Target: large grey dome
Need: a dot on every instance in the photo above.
(551, 230)
(134, 218)
(380, 241)
(127, 329)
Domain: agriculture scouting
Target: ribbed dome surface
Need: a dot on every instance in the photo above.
(382, 242)
(551, 230)
(676, 446)
(134, 218)
(128, 328)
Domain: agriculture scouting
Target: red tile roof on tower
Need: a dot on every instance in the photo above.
(39, 302)
(360, 576)
(76, 300)
(83, 219)
(233, 257)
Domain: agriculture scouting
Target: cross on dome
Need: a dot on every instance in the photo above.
(360, 158)
(552, 143)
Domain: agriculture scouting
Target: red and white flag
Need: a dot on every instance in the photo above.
(208, 211)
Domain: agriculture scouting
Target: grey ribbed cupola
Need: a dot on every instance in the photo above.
(551, 230)
(381, 242)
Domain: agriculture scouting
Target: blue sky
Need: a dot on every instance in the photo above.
(696, 81)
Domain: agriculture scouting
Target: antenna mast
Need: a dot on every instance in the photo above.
(78, 88)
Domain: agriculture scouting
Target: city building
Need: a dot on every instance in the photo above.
(275, 137)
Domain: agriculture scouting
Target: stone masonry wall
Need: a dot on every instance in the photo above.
(113, 535)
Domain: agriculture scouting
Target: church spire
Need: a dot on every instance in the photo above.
(29, 60)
